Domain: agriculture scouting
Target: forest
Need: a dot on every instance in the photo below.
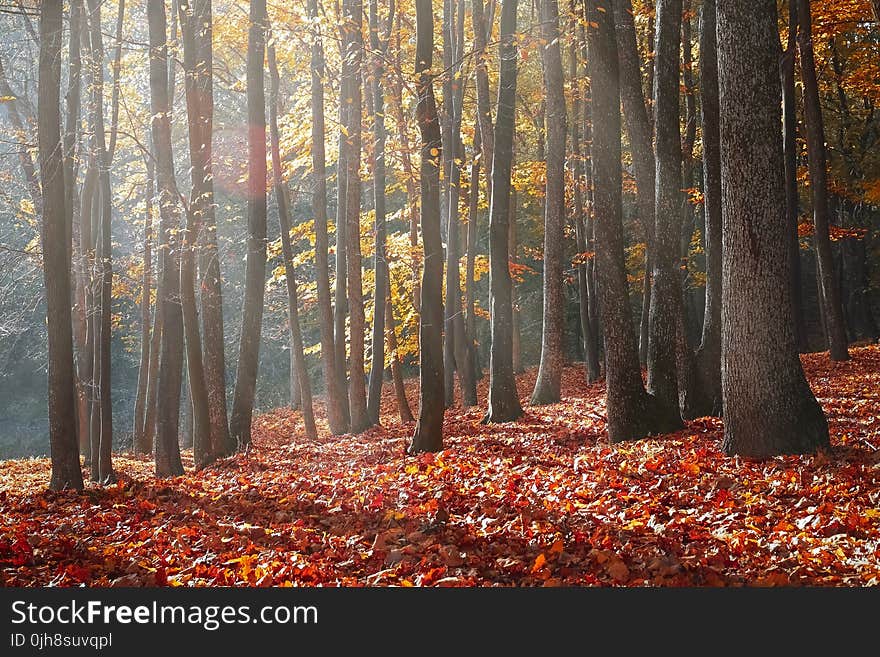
(440, 293)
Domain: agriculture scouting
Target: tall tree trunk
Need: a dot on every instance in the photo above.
(296, 340)
(666, 292)
(379, 46)
(255, 276)
(706, 387)
(482, 29)
(357, 393)
(470, 286)
(428, 436)
(629, 412)
(581, 209)
(815, 132)
(104, 462)
(116, 71)
(333, 385)
(64, 451)
(191, 20)
(167, 450)
(768, 406)
(456, 355)
(548, 385)
(140, 402)
(151, 410)
(516, 335)
(790, 148)
(504, 404)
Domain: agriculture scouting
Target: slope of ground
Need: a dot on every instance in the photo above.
(545, 501)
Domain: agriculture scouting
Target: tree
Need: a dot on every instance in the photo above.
(706, 399)
(790, 147)
(64, 452)
(167, 450)
(334, 395)
(428, 436)
(379, 47)
(630, 409)
(296, 340)
(102, 441)
(768, 406)
(549, 382)
(829, 294)
(255, 276)
(204, 448)
(638, 130)
(666, 290)
(140, 403)
(504, 404)
(456, 355)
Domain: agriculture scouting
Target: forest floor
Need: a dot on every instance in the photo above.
(545, 501)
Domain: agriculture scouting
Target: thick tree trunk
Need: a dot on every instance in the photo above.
(504, 404)
(140, 402)
(815, 133)
(428, 436)
(104, 462)
(64, 451)
(296, 340)
(629, 412)
(255, 275)
(768, 406)
(666, 287)
(548, 385)
(333, 386)
(790, 147)
(706, 388)
(167, 449)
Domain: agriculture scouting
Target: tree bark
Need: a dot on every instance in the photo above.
(140, 402)
(116, 71)
(815, 133)
(296, 340)
(403, 409)
(768, 406)
(379, 46)
(706, 398)
(629, 414)
(504, 404)
(64, 451)
(167, 450)
(333, 386)
(428, 436)
(790, 148)
(255, 275)
(666, 288)
(469, 286)
(102, 467)
(548, 386)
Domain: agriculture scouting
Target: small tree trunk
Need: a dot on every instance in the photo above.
(296, 340)
(548, 386)
(146, 298)
(504, 404)
(768, 406)
(815, 132)
(66, 472)
(470, 291)
(105, 472)
(428, 436)
(255, 275)
(151, 409)
(332, 383)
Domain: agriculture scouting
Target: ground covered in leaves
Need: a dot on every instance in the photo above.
(545, 501)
